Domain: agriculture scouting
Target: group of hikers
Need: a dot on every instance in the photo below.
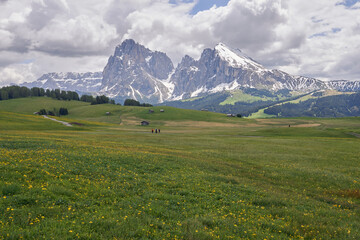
(156, 130)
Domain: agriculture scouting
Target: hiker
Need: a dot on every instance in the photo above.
(152, 130)
(159, 130)
(155, 130)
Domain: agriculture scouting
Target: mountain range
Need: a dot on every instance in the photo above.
(136, 72)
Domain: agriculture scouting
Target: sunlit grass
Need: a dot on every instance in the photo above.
(250, 179)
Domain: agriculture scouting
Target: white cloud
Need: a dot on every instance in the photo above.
(314, 38)
(15, 74)
(6, 39)
(83, 35)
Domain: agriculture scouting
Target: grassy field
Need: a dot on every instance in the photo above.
(205, 176)
(240, 96)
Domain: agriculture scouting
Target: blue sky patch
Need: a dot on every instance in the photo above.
(201, 4)
(207, 4)
(348, 3)
(322, 34)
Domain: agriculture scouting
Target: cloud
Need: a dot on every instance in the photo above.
(80, 36)
(44, 11)
(6, 39)
(15, 74)
(249, 25)
(314, 38)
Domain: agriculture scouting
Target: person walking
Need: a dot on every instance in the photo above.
(159, 130)
(152, 130)
(155, 130)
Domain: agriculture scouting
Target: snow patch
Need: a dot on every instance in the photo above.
(194, 69)
(178, 97)
(169, 85)
(225, 86)
(148, 59)
(198, 91)
(237, 59)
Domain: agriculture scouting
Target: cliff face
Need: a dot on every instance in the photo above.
(224, 68)
(137, 72)
(149, 76)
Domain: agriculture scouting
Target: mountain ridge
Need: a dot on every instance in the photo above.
(134, 71)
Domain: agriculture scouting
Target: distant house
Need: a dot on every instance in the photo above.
(151, 111)
(108, 113)
(144, 123)
(204, 110)
(161, 110)
(230, 115)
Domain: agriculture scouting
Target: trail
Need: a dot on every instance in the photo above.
(355, 134)
(62, 122)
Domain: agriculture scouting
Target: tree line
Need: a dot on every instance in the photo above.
(55, 112)
(96, 100)
(132, 102)
(12, 92)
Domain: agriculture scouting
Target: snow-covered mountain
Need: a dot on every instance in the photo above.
(80, 82)
(149, 76)
(344, 86)
(224, 68)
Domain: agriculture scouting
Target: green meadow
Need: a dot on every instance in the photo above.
(205, 176)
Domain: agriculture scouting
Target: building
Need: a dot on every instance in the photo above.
(144, 123)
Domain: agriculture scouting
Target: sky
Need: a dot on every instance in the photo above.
(318, 39)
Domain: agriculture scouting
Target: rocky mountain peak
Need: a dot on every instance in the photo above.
(135, 71)
(186, 61)
(236, 58)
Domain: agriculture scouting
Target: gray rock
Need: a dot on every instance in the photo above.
(137, 72)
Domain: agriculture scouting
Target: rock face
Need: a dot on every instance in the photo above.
(224, 68)
(344, 86)
(81, 82)
(137, 72)
(149, 76)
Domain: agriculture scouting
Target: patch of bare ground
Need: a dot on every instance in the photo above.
(273, 121)
(355, 134)
(76, 123)
(350, 193)
(200, 124)
(282, 122)
(307, 125)
(254, 125)
(130, 121)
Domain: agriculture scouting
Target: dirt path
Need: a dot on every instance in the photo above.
(355, 134)
(62, 122)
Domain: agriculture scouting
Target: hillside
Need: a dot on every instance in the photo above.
(320, 106)
(118, 114)
(244, 101)
(205, 176)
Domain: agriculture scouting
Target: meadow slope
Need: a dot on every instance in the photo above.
(205, 176)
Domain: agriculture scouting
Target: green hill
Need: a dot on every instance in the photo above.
(118, 114)
(205, 176)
